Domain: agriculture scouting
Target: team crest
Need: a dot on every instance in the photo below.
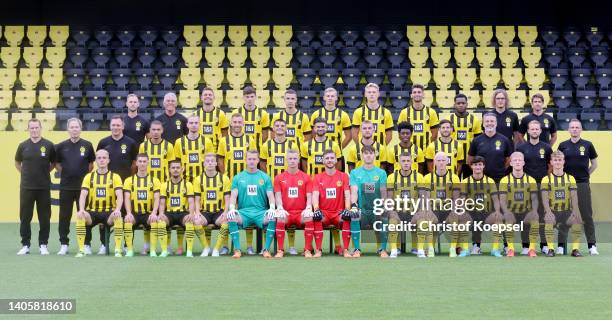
(339, 183)
(138, 125)
(300, 183)
(82, 150)
(582, 150)
(545, 123)
(508, 121)
(178, 124)
(376, 178)
(542, 153)
(497, 145)
(123, 148)
(43, 151)
(261, 182)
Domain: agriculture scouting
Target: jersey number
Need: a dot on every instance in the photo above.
(418, 127)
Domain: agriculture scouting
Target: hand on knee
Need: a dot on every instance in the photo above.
(129, 218)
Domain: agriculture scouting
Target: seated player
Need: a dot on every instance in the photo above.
(141, 194)
(100, 202)
(293, 191)
(253, 195)
(561, 207)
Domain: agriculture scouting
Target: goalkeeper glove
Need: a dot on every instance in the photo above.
(345, 215)
(355, 212)
(317, 215)
(232, 213)
(307, 213)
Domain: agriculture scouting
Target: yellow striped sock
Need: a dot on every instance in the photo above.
(510, 239)
(147, 236)
(189, 235)
(550, 235)
(129, 236)
(495, 241)
(208, 231)
(201, 233)
(81, 232)
(118, 226)
(576, 233)
(153, 239)
(222, 236)
(162, 234)
(180, 238)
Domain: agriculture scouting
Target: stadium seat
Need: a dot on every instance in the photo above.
(190, 77)
(464, 56)
(443, 77)
(282, 35)
(213, 77)
(304, 36)
(577, 56)
(6, 99)
(489, 78)
(259, 78)
(304, 56)
(278, 99)
(418, 56)
(512, 77)
(558, 77)
(92, 120)
(438, 35)
(397, 78)
(349, 37)
(19, 120)
(98, 77)
(123, 56)
(48, 99)
(306, 99)
(586, 98)
(350, 56)
(25, 99)
(170, 35)
(445, 98)
(10, 56)
(169, 56)
(531, 56)
(29, 77)
(13, 35)
(263, 98)
(373, 56)
(52, 78)
(146, 97)
(32, 56)
(125, 35)
(327, 56)
(564, 117)
(508, 56)
(527, 35)
(440, 56)
(328, 77)
(591, 119)
(421, 76)
(282, 56)
(75, 77)
(193, 55)
(167, 77)
(305, 77)
(260, 35)
(399, 99)
(7, 78)
(581, 77)
(461, 35)
(72, 98)
(416, 35)
(146, 56)
(396, 56)
(518, 98)
(259, 56)
(144, 77)
(101, 56)
(351, 78)
(47, 119)
(505, 35)
(535, 77)
(4, 120)
(327, 35)
(193, 35)
(487, 96)
(562, 98)
(473, 97)
(571, 36)
(78, 56)
(237, 35)
(282, 78)
(375, 75)
(214, 56)
(485, 56)
(121, 77)
(148, 35)
(103, 35)
(599, 56)
(603, 77)
(236, 56)
(394, 36)
(55, 56)
(594, 36)
(236, 77)
(428, 97)
(352, 99)
(466, 77)
(188, 99)
(117, 98)
(95, 98)
(233, 98)
(607, 119)
(215, 35)
(544, 93)
(549, 35)
(37, 35)
(553, 56)
(59, 35)
(483, 35)
(80, 36)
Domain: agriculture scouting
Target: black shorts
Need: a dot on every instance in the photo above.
(141, 219)
(175, 218)
(99, 217)
(441, 215)
(211, 217)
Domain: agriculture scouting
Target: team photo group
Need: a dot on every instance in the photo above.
(250, 169)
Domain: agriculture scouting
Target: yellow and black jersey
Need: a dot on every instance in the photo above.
(211, 123)
(405, 186)
(159, 156)
(453, 149)
(191, 153)
(518, 192)
(212, 191)
(416, 155)
(354, 156)
(481, 191)
(465, 128)
(142, 192)
(298, 124)
(337, 121)
(176, 196)
(233, 150)
(275, 154)
(441, 187)
(101, 189)
(422, 121)
(381, 118)
(255, 122)
(313, 150)
(559, 191)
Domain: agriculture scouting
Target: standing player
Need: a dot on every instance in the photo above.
(274, 151)
(160, 152)
(417, 156)
(338, 121)
(136, 126)
(100, 201)
(191, 148)
(312, 152)
(256, 120)
(494, 147)
(445, 143)
(375, 113)
(369, 183)
(297, 123)
(233, 147)
(547, 122)
(174, 123)
(466, 125)
(354, 156)
(293, 191)
(213, 121)
(507, 120)
(423, 118)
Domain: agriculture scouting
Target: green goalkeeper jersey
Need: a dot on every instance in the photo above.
(369, 183)
(252, 192)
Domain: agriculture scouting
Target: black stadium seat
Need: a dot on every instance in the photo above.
(594, 37)
(350, 55)
(396, 56)
(103, 36)
(146, 56)
(586, 98)
(62, 116)
(98, 77)
(394, 36)
(328, 77)
(144, 78)
(121, 77)
(327, 35)
(562, 98)
(608, 120)
(304, 56)
(327, 56)
(304, 35)
(145, 97)
(307, 98)
(372, 35)
(169, 56)
(397, 78)
(124, 56)
(599, 56)
(591, 119)
(92, 120)
(581, 77)
(72, 98)
(117, 98)
(95, 98)
(576, 56)
(550, 35)
(373, 56)
(305, 77)
(349, 37)
(101, 56)
(351, 78)
(375, 76)
(399, 99)
(605, 98)
(75, 77)
(352, 99)
(148, 35)
(571, 36)
(78, 56)
(558, 77)
(167, 77)
(563, 119)
(170, 35)
(126, 35)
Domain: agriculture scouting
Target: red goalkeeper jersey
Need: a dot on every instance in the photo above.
(331, 192)
(293, 188)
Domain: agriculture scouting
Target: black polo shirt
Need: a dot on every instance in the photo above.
(494, 150)
(74, 157)
(35, 160)
(122, 153)
(174, 127)
(537, 157)
(135, 128)
(507, 123)
(577, 158)
(549, 126)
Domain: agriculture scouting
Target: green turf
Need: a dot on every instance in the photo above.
(332, 287)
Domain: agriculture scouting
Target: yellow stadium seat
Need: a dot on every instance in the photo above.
(544, 93)
(527, 35)
(278, 99)
(508, 56)
(531, 56)
(237, 35)
(260, 35)
(7, 78)
(535, 77)
(213, 77)
(259, 56)
(418, 56)
(6, 99)
(517, 98)
(445, 98)
(190, 78)
(440, 56)
(47, 119)
(29, 77)
(438, 35)
(512, 77)
(263, 98)
(25, 99)
(13, 35)
(282, 56)
(473, 98)
(19, 120)
(215, 35)
(3, 120)
(259, 77)
(188, 99)
(236, 77)
(48, 99)
(420, 76)
(237, 56)
(464, 56)
(37, 35)
(52, 77)
(443, 77)
(489, 78)
(483, 35)
(282, 78)
(193, 35)
(461, 35)
(233, 98)
(59, 35)
(192, 56)
(416, 35)
(55, 56)
(428, 97)
(282, 35)
(505, 35)
(466, 77)
(487, 98)
(218, 98)
(214, 56)
(10, 56)
(486, 56)
(33, 56)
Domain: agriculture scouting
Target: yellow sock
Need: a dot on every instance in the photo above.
(208, 232)
(413, 239)
(222, 236)
(180, 238)
(454, 239)
(201, 233)
(510, 239)
(464, 237)
(534, 233)
(153, 239)
(147, 236)
(430, 239)
(118, 226)
(189, 235)
(393, 236)
(81, 230)
(162, 234)
(495, 241)
(129, 236)
(421, 238)
(550, 235)
(249, 237)
(336, 237)
(291, 238)
(575, 234)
